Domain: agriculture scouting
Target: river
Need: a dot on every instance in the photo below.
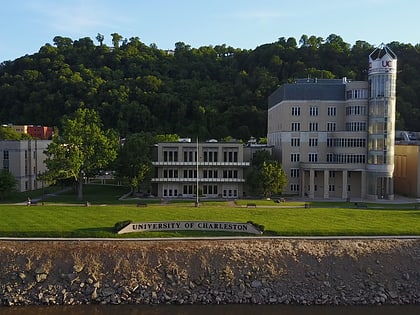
(210, 310)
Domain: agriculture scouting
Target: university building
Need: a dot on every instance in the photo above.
(36, 132)
(25, 161)
(407, 164)
(335, 138)
(218, 170)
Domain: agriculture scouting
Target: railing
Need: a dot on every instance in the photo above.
(201, 180)
(201, 164)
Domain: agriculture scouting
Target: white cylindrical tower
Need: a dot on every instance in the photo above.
(382, 79)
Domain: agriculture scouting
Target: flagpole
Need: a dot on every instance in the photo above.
(196, 162)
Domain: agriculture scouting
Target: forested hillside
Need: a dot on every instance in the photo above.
(212, 92)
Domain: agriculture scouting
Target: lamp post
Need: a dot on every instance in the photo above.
(197, 203)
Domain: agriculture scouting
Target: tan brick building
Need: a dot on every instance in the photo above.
(335, 138)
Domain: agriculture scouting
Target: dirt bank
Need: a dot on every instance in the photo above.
(210, 271)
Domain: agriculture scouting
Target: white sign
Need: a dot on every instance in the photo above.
(190, 226)
(386, 64)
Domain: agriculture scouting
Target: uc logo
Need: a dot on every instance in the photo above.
(386, 63)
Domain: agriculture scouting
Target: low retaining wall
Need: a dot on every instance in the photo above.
(276, 271)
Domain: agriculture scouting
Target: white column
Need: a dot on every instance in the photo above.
(363, 185)
(311, 184)
(326, 184)
(302, 183)
(344, 183)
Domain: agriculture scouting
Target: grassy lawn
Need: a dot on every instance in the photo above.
(98, 220)
(62, 215)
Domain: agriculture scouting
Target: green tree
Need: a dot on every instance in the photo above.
(80, 148)
(100, 38)
(273, 178)
(8, 133)
(134, 160)
(7, 183)
(116, 38)
(254, 178)
(166, 138)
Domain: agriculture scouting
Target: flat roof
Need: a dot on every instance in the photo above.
(309, 89)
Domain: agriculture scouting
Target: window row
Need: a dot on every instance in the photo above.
(357, 94)
(332, 158)
(356, 110)
(346, 142)
(210, 190)
(210, 156)
(334, 142)
(331, 188)
(356, 126)
(314, 111)
(314, 126)
(191, 173)
(191, 156)
(312, 157)
(295, 173)
(346, 158)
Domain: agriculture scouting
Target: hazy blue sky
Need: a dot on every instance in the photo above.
(26, 25)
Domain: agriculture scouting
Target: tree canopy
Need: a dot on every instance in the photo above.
(8, 133)
(209, 92)
(134, 161)
(7, 183)
(80, 149)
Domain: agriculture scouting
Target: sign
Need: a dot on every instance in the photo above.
(233, 227)
(384, 65)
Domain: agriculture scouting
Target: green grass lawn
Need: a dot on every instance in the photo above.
(63, 215)
(98, 220)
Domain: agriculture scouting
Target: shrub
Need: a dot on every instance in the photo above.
(259, 227)
(122, 224)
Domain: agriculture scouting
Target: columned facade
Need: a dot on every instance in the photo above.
(213, 169)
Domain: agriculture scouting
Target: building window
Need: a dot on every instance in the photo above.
(294, 172)
(356, 110)
(295, 126)
(332, 111)
(331, 126)
(313, 126)
(330, 157)
(313, 111)
(313, 157)
(313, 142)
(294, 157)
(170, 156)
(356, 126)
(230, 156)
(210, 156)
(169, 173)
(332, 174)
(331, 188)
(295, 111)
(294, 187)
(5, 155)
(295, 142)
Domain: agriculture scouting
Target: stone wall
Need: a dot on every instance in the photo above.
(264, 271)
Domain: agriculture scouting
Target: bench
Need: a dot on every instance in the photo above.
(360, 205)
(251, 205)
(142, 205)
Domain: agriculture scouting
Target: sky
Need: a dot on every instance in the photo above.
(26, 25)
